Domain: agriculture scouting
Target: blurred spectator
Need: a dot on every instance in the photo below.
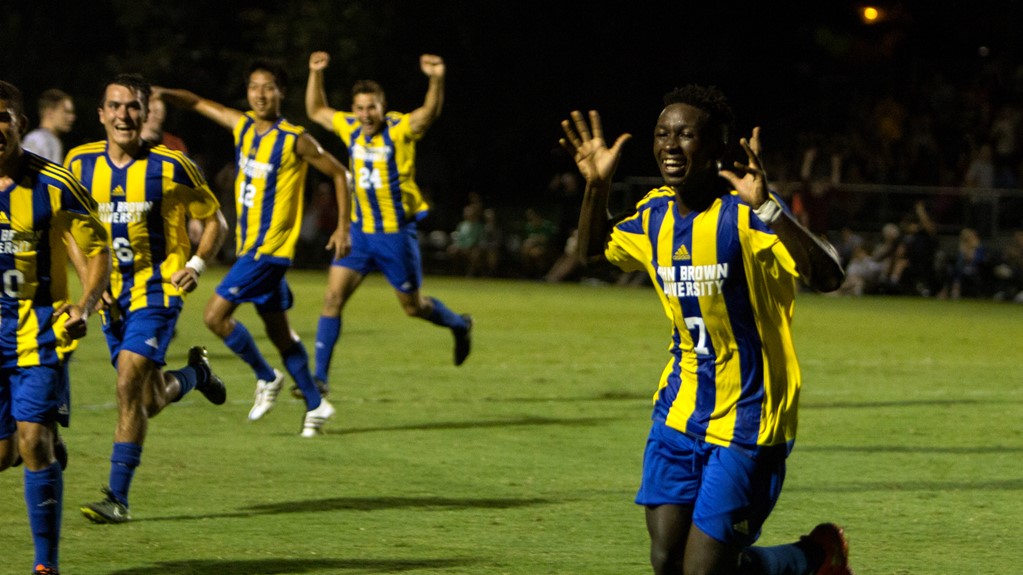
(1006, 128)
(884, 251)
(465, 251)
(862, 273)
(979, 180)
(911, 271)
(152, 128)
(537, 250)
(811, 200)
(967, 275)
(567, 264)
(492, 243)
(565, 188)
(1008, 271)
(56, 117)
(847, 243)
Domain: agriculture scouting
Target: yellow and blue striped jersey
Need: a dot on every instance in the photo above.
(145, 207)
(386, 195)
(269, 189)
(728, 286)
(42, 204)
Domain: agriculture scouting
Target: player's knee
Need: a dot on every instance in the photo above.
(663, 561)
(217, 323)
(666, 557)
(332, 303)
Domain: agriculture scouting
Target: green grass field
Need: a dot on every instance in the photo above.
(525, 460)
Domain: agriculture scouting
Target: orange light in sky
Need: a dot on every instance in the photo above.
(870, 14)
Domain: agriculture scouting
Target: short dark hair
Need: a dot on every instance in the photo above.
(15, 100)
(51, 99)
(368, 87)
(276, 70)
(132, 81)
(709, 99)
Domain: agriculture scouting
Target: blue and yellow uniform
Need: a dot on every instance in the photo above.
(386, 195)
(144, 207)
(269, 189)
(726, 402)
(386, 202)
(728, 285)
(269, 198)
(42, 204)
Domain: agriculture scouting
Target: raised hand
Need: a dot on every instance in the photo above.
(432, 65)
(596, 162)
(752, 186)
(318, 61)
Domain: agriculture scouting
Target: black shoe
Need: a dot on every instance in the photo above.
(321, 385)
(213, 388)
(463, 340)
(109, 510)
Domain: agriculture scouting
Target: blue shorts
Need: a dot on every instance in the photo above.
(730, 491)
(147, 332)
(35, 394)
(396, 255)
(258, 282)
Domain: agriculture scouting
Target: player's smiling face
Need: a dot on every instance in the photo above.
(264, 95)
(369, 108)
(122, 115)
(681, 146)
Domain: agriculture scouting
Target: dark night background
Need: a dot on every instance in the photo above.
(515, 69)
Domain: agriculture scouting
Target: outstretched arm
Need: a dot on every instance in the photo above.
(311, 151)
(597, 164)
(423, 117)
(816, 259)
(315, 94)
(226, 117)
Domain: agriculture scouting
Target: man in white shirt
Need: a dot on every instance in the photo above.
(56, 116)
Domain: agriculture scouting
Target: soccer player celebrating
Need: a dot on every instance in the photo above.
(387, 204)
(40, 203)
(725, 257)
(146, 194)
(273, 156)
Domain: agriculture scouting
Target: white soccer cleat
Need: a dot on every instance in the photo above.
(314, 420)
(266, 396)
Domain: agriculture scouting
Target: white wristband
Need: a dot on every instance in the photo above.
(768, 212)
(197, 264)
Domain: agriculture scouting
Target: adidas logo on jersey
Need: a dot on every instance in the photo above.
(681, 254)
(4, 219)
(118, 191)
(153, 342)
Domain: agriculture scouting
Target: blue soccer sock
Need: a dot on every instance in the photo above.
(328, 332)
(791, 559)
(125, 458)
(240, 341)
(296, 361)
(187, 377)
(445, 317)
(44, 497)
